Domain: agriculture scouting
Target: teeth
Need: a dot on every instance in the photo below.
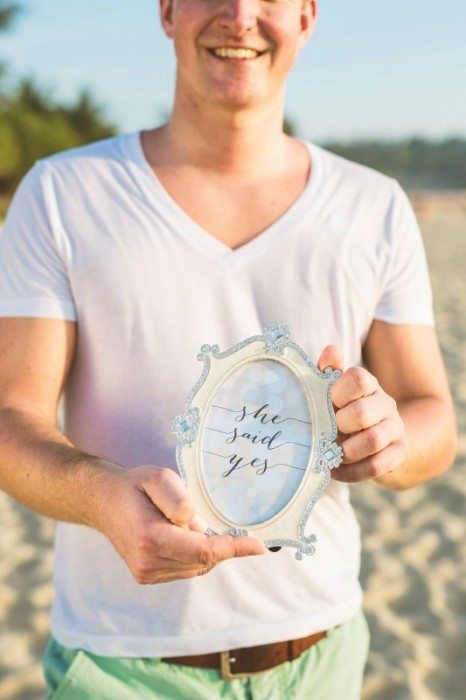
(225, 52)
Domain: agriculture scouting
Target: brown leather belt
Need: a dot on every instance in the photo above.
(240, 663)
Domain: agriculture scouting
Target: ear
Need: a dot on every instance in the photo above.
(166, 17)
(308, 19)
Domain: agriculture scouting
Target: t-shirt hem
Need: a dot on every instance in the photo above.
(259, 632)
(38, 308)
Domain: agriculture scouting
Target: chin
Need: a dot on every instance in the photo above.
(235, 97)
(236, 102)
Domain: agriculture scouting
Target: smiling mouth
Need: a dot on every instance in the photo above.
(242, 54)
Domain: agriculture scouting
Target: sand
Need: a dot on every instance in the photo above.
(414, 552)
(413, 569)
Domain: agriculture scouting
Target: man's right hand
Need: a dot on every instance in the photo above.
(150, 520)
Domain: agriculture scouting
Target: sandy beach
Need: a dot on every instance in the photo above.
(413, 541)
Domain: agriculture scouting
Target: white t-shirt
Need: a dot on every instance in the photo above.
(92, 236)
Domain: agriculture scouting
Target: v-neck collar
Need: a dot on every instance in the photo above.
(160, 200)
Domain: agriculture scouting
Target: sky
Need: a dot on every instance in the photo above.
(373, 69)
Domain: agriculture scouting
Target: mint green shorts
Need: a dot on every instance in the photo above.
(332, 669)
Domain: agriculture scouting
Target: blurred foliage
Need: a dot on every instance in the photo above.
(416, 163)
(289, 127)
(34, 125)
(4, 202)
(8, 12)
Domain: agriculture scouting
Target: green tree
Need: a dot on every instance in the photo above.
(289, 126)
(87, 119)
(33, 125)
(8, 12)
(417, 163)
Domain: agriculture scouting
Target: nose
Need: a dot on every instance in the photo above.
(238, 16)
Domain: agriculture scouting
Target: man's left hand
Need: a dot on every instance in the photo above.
(371, 431)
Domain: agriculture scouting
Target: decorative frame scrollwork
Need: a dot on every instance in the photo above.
(286, 528)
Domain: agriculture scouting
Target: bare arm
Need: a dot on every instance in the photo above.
(162, 538)
(407, 362)
(396, 417)
(38, 466)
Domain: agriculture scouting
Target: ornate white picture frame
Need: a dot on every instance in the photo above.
(256, 441)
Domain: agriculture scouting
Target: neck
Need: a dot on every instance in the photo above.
(221, 140)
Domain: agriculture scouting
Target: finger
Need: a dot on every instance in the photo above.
(355, 383)
(371, 440)
(180, 545)
(193, 548)
(161, 570)
(332, 357)
(375, 465)
(187, 573)
(197, 561)
(365, 412)
(198, 524)
(161, 566)
(166, 490)
(226, 546)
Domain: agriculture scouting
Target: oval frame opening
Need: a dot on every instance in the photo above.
(256, 407)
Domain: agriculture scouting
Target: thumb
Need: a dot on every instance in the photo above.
(332, 357)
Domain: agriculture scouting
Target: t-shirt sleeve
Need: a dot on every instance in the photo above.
(405, 289)
(34, 280)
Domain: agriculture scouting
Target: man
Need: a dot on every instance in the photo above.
(118, 261)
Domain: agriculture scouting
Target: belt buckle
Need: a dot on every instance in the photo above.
(225, 668)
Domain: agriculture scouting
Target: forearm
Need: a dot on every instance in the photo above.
(431, 431)
(43, 470)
